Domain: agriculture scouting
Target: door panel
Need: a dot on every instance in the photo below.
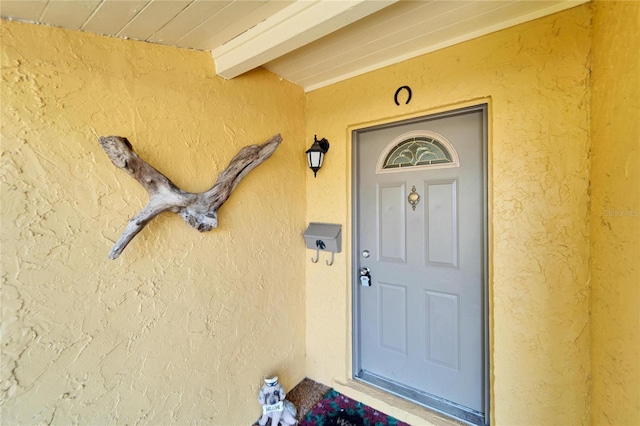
(392, 300)
(392, 222)
(420, 326)
(442, 223)
(442, 325)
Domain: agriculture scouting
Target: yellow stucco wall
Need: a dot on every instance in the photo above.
(182, 328)
(536, 78)
(168, 332)
(615, 214)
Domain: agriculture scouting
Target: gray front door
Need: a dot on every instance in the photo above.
(420, 220)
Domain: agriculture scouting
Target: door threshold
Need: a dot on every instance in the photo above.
(432, 402)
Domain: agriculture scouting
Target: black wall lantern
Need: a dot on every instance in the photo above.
(315, 154)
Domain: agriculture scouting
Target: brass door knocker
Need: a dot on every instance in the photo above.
(413, 198)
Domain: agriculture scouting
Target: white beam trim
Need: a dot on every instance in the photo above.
(294, 26)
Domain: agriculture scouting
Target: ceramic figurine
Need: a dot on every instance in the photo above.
(274, 406)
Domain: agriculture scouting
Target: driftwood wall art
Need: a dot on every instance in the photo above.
(199, 210)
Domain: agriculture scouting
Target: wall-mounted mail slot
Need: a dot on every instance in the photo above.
(325, 237)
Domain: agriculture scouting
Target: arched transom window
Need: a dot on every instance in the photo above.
(417, 150)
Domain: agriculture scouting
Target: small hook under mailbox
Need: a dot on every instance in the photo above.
(318, 258)
(332, 256)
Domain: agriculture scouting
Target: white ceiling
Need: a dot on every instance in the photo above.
(312, 43)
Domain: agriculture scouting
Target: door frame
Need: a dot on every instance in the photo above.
(431, 403)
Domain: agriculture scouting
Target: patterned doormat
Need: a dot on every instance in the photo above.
(335, 409)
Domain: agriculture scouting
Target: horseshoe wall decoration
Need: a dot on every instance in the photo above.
(395, 97)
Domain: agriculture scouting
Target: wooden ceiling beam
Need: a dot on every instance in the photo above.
(295, 26)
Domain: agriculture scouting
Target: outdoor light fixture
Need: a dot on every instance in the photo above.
(315, 154)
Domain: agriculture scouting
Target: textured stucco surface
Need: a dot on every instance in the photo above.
(536, 76)
(181, 328)
(615, 214)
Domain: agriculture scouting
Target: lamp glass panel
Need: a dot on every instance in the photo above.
(314, 158)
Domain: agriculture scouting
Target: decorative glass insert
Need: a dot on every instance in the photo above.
(417, 151)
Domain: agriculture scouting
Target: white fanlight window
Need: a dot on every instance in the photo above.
(418, 150)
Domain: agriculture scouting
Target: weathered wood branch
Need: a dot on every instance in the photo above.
(199, 210)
